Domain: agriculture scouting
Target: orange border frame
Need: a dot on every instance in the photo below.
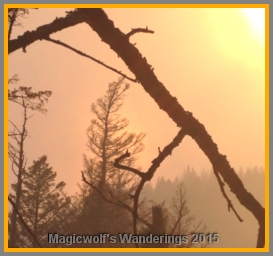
(265, 249)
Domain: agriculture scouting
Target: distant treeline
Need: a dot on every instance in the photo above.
(208, 205)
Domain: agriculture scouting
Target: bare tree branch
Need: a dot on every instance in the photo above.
(127, 168)
(12, 18)
(149, 174)
(230, 205)
(138, 30)
(29, 37)
(99, 22)
(87, 56)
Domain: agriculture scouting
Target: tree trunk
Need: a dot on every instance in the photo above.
(158, 225)
(13, 222)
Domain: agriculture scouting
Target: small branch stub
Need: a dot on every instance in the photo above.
(139, 30)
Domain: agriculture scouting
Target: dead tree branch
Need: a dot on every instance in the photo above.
(127, 168)
(118, 41)
(12, 18)
(87, 56)
(139, 30)
(230, 205)
(29, 37)
(149, 174)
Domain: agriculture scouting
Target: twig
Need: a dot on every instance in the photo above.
(119, 203)
(230, 205)
(176, 223)
(12, 21)
(24, 223)
(87, 56)
(127, 168)
(165, 152)
(138, 30)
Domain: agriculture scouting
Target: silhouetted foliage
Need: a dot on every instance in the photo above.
(42, 204)
(27, 100)
(107, 139)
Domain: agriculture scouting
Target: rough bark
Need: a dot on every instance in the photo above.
(119, 42)
(43, 32)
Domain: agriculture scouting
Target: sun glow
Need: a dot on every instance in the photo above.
(256, 18)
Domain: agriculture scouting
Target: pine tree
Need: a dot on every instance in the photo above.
(108, 139)
(42, 205)
(27, 100)
(107, 136)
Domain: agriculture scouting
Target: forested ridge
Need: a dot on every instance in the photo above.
(201, 197)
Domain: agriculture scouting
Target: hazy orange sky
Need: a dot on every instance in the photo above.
(212, 60)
